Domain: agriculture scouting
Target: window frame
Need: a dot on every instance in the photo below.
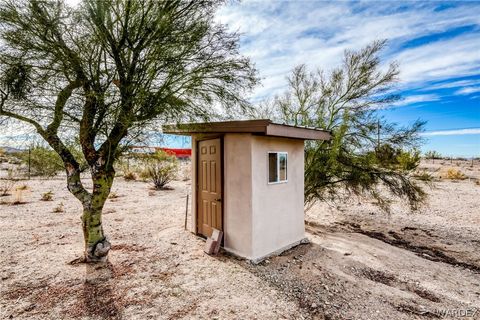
(278, 167)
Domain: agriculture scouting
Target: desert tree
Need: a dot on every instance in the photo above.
(103, 71)
(432, 154)
(367, 155)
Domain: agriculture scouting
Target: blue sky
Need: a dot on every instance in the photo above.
(436, 43)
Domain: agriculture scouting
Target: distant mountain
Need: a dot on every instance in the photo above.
(11, 150)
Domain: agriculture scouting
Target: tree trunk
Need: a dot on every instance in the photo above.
(97, 245)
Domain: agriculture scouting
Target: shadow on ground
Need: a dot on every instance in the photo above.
(349, 275)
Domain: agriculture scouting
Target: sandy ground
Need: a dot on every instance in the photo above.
(361, 263)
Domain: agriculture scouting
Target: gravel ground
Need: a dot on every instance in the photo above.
(360, 264)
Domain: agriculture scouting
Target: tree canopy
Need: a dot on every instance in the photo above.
(368, 154)
(104, 70)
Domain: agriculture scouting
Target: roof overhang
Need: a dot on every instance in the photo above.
(261, 127)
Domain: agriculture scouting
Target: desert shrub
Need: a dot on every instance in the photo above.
(60, 208)
(161, 174)
(128, 166)
(129, 176)
(7, 184)
(395, 158)
(453, 174)
(386, 155)
(186, 170)
(43, 161)
(161, 168)
(144, 174)
(113, 195)
(122, 165)
(433, 155)
(47, 196)
(408, 160)
(22, 187)
(423, 176)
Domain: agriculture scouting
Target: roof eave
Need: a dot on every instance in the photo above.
(259, 127)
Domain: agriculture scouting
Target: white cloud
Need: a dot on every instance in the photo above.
(417, 99)
(441, 60)
(468, 90)
(278, 35)
(453, 84)
(456, 132)
(73, 2)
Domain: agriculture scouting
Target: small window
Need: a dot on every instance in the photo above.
(277, 167)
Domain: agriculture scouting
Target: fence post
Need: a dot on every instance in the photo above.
(29, 161)
(186, 211)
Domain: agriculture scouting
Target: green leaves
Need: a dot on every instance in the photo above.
(367, 156)
(16, 79)
(103, 71)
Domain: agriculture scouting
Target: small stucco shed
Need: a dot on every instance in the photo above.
(248, 181)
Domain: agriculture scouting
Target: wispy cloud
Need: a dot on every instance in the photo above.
(441, 60)
(453, 84)
(278, 35)
(455, 132)
(414, 99)
(468, 90)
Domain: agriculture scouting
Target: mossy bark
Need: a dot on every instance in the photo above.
(97, 245)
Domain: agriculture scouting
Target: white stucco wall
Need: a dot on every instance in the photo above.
(278, 209)
(259, 218)
(237, 215)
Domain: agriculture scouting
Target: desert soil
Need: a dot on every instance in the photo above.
(361, 263)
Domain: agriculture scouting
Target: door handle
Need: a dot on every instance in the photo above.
(219, 200)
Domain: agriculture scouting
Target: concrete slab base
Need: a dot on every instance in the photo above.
(279, 251)
(275, 253)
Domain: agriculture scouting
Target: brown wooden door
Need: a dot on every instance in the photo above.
(209, 212)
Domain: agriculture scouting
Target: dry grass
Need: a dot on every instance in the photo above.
(130, 176)
(113, 195)
(143, 174)
(7, 183)
(60, 208)
(47, 196)
(453, 174)
(22, 187)
(423, 176)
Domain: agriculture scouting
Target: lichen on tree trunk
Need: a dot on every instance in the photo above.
(97, 245)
